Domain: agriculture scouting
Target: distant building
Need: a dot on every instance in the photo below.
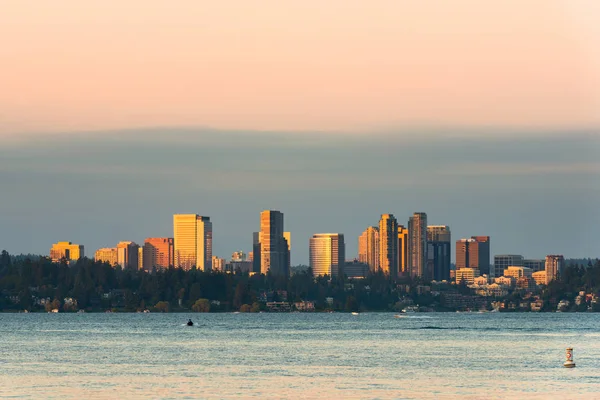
(218, 264)
(503, 261)
(107, 255)
(438, 252)
(327, 254)
(474, 253)
(66, 250)
(417, 244)
(140, 265)
(368, 248)
(467, 275)
(535, 265)
(274, 248)
(159, 253)
(388, 245)
(238, 256)
(403, 250)
(127, 255)
(539, 277)
(518, 272)
(192, 236)
(355, 269)
(240, 266)
(555, 265)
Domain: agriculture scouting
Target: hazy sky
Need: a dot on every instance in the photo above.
(116, 114)
(297, 65)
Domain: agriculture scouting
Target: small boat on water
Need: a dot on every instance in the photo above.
(354, 313)
(190, 323)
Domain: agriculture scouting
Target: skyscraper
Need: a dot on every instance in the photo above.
(417, 244)
(475, 253)
(388, 245)
(554, 266)
(368, 248)
(66, 250)
(159, 253)
(327, 254)
(438, 252)
(274, 250)
(192, 236)
(402, 250)
(127, 255)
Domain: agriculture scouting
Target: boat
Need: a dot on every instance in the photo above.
(354, 313)
(190, 323)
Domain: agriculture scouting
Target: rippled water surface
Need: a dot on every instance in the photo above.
(371, 355)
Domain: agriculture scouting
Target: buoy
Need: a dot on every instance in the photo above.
(569, 362)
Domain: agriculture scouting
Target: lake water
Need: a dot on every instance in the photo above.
(371, 355)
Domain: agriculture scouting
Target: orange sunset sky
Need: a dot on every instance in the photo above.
(336, 65)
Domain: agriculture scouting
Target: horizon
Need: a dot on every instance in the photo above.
(518, 187)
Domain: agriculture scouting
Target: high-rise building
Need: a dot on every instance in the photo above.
(555, 265)
(140, 265)
(368, 248)
(127, 255)
(438, 252)
(475, 253)
(274, 250)
(327, 254)
(192, 236)
(159, 253)
(417, 244)
(66, 250)
(256, 252)
(402, 250)
(107, 255)
(503, 261)
(388, 245)
(218, 264)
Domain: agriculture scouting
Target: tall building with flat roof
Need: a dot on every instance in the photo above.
(503, 261)
(368, 248)
(417, 244)
(327, 254)
(555, 265)
(66, 250)
(274, 249)
(475, 253)
(106, 255)
(438, 252)
(159, 253)
(127, 255)
(192, 235)
(402, 251)
(388, 245)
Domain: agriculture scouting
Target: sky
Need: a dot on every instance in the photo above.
(115, 115)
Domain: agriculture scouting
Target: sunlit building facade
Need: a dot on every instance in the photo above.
(555, 265)
(388, 245)
(327, 254)
(106, 255)
(274, 248)
(127, 255)
(67, 251)
(159, 253)
(402, 250)
(368, 248)
(417, 244)
(475, 253)
(192, 236)
(503, 261)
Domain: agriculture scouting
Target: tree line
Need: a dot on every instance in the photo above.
(38, 284)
